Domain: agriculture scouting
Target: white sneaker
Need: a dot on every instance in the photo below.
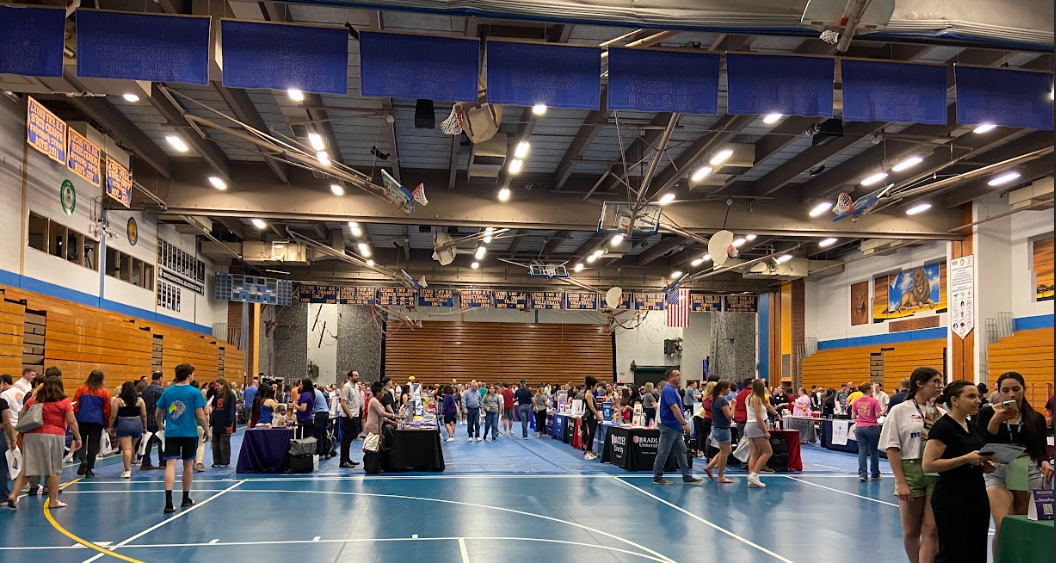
(479, 439)
(126, 475)
(450, 440)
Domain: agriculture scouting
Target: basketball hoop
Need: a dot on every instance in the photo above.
(550, 271)
(843, 204)
(453, 124)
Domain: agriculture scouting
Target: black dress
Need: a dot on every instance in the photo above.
(960, 504)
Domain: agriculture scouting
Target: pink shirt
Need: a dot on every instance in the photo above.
(54, 415)
(866, 411)
(801, 406)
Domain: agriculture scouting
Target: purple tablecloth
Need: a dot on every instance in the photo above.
(265, 450)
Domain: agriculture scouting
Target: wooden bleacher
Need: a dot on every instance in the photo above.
(79, 339)
(830, 368)
(1028, 352)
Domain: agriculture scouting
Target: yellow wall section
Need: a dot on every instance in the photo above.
(786, 318)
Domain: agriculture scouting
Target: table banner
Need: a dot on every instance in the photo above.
(142, 47)
(658, 80)
(401, 65)
(560, 76)
(280, 57)
(32, 40)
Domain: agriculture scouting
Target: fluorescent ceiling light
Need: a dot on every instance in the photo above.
(475, 265)
(720, 157)
(364, 249)
(874, 179)
(701, 173)
(323, 158)
(354, 227)
(504, 194)
(337, 190)
(827, 242)
(516, 165)
(522, 149)
(489, 230)
(617, 238)
(918, 208)
(783, 258)
(370, 263)
(579, 267)
(539, 109)
(738, 242)
(667, 198)
(772, 118)
(984, 128)
(599, 253)
(706, 257)
(750, 237)
(295, 94)
(130, 97)
(591, 259)
(480, 252)
(1004, 178)
(259, 224)
(676, 274)
(176, 142)
(697, 262)
(316, 141)
(487, 239)
(218, 182)
(908, 163)
(820, 208)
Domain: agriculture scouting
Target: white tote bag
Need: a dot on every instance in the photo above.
(14, 463)
(105, 447)
(143, 444)
(743, 450)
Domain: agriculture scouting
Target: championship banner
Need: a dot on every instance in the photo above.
(318, 294)
(560, 76)
(147, 47)
(357, 295)
(740, 304)
(396, 296)
(428, 297)
(649, 301)
(705, 303)
(510, 299)
(118, 182)
(84, 158)
(658, 80)
(475, 298)
(765, 84)
(45, 131)
(281, 57)
(401, 65)
(547, 299)
(32, 40)
(581, 301)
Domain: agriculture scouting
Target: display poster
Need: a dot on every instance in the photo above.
(962, 289)
(1041, 254)
(908, 292)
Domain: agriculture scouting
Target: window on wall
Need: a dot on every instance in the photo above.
(60, 241)
(57, 239)
(38, 232)
(129, 269)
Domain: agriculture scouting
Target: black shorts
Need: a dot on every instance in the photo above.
(181, 447)
(449, 418)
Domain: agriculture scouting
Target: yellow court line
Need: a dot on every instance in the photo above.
(82, 541)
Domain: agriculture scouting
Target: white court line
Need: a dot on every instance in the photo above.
(166, 521)
(317, 538)
(878, 501)
(462, 549)
(707, 523)
(214, 541)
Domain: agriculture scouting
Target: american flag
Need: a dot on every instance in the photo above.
(678, 308)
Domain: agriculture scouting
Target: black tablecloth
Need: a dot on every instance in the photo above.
(850, 447)
(265, 450)
(634, 449)
(413, 450)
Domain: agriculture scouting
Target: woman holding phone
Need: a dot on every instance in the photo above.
(960, 504)
(1012, 420)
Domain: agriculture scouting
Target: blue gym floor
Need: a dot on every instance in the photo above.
(514, 499)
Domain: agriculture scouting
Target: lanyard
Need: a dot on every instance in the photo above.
(1019, 429)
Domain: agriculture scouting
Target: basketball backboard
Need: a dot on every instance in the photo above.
(616, 217)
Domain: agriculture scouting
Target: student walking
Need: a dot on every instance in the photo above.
(492, 401)
(721, 418)
(471, 401)
(180, 412)
(523, 395)
(673, 429)
(758, 434)
(127, 419)
(91, 405)
(867, 410)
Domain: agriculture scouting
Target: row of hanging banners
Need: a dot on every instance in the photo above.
(315, 59)
(520, 300)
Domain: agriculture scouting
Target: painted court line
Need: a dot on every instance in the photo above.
(167, 520)
(707, 523)
(462, 550)
(878, 501)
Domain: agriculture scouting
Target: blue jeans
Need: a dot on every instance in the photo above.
(868, 447)
(473, 422)
(671, 439)
(526, 417)
(491, 424)
(5, 489)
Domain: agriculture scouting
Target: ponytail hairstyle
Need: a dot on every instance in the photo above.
(721, 388)
(919, 378)
(1033, 421)
(759, 390)
(952, 390)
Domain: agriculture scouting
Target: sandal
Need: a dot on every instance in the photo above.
(12, 503)
(707, 471)
(725, 481)
(57, 504)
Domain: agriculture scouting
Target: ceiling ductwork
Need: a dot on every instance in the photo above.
(885, 247)
(1037, 195)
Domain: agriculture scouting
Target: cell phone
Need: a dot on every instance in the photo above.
(987, 452)
(1008, 405)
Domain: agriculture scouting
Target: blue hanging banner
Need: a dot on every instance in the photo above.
(281, 57)
(1011, 98)
(510, 299)
(428, 297)
(31, 40)
(547, 299)
(899, 92)
(740, 304)
(705, 303)
(399, 65)
(357, 295)
(560, 76)
(318, 294)
(581, 300)
(142, 47)
(397, 296)
(765, 84)
(649, 301)
(674, 81)
(475, 298)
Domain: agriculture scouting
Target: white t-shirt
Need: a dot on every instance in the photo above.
(15, 396)
(884, 400)
(904, 426)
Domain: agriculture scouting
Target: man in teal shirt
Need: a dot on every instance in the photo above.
(180, 409)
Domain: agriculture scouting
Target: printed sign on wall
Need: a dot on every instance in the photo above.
(962, 289)
(83, 158)
(903, 294)
(1042, 253)
(45, 131)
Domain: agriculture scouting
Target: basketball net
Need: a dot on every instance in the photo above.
(843, 204)
(453, 124)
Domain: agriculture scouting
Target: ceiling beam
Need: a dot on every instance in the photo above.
(553, 242)
(515, 242)
(124, 132)
(1029, 172)
(724, 130)
(175, 115)
(587, 131)
(659, 249)
(242, 106)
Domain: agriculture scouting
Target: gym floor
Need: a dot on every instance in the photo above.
(513, 499)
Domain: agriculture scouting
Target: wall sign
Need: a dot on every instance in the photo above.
(657, 80)
(358, 296)
(430, 297)
(31, 40)
(68, 197)
(764, 84)
(475, 298)
(510, 299)
(310, 293)
(278, 56)
(45, 131)
(921, 323)
(561, 76)
(396, 296)
(402, 65)
(143, 47)
(740, 303)
(962, 295)
(83, 158)
(705, 303)
(649, 301)
(581, 301)
(118, 182)
(181, 268)
(132, 230)
(899, 92)
(547, 299)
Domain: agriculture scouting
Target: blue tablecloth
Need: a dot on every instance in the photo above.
(557, 427)
(265, 450)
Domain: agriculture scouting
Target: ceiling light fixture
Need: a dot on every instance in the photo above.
(323, 158)
(337, 190)
(984, 128)
(772, 118)
(487, 239)
(504, 194)
(676, 274)
(176, 142)
(1004, 178)
(827, 242)
(316, 141)
(599, 253)
(364, 249)
(667, 198)
(354, 227)
(701, 173)
(751, 236)
(295, 94)
(578, 267)
(720, 157)
(738, 242)
(516, 165)
(475, 265)
(259, 224)
(874, 179)
(706, 257)
(130, 97)
(617, 238)
(908, 163)
(591, 259)
(522, 149)
(539, 109)
(696, 262)
(480, 252)
(820, 208)
(218, 182)
(783, 258)
(370, 263)
(918, 208)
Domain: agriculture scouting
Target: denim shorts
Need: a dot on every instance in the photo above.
(129, 427)
(721, 435)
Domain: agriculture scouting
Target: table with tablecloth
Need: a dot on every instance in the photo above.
(634, 448)
(1024, 541)
(795, 454)
(566, 428)
(599, 438)
(805, 425)
(413, 450)
(265, 450)
(851, 446)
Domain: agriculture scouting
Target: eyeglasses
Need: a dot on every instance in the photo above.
(937, 383)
